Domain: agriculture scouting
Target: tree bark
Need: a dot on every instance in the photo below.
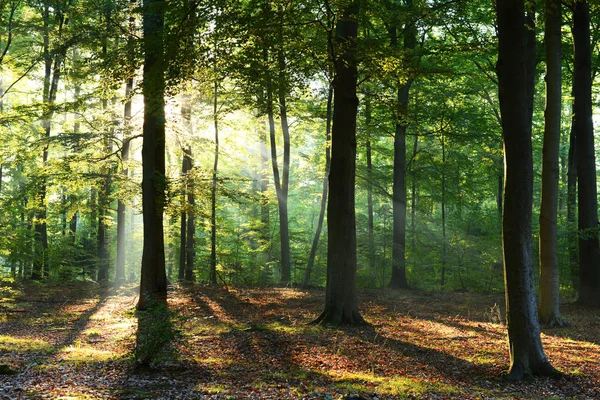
(315, 243)
(398, 279)
(589, 250)
(549, 285)
(572, 207)
(341, 300)
(121, 206)
(153, 286)
(52, 69)
(371, 222)
(213, 193)
(526, 353)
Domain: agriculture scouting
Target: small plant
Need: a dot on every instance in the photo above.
(155, 332)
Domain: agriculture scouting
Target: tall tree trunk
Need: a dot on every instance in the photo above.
(444, 240)
(413, 199)
(153, 284)
(398, 279)
(589, 251)
(40, 260)
(213, 193)
(315, 243)
(190, 251)
(572, 207)
(341, 300)
(549, 286)
(526, 353)
(371, 223)
(183, 220)
(121, 206)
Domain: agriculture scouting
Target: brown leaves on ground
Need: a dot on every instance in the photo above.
(257, 343)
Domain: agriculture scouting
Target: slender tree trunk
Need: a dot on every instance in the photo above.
(213, 194)
(572, 207)
(341, 300)
(398, 279)
(315, 243)
(190, 250)
(413, 199)
(549, 286)
(371, 223)
(153, 284)
(121, 206)
(40, 261)
(444, 240)
(526, 353)
(589, 251)
(183, 220)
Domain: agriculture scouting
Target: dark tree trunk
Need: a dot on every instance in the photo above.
(315, 243)
(52, 70)
(589, 252)
(413, 199)
(191, 230)
(526, 353)
(549, 286)
(282, 196)
(183, 220)
(444, 241)
(398, 278)
(153, 284)
(371, 222)
(341, 300)
(572, 207)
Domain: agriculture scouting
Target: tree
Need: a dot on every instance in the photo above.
(341, 300)
(549, 286)
(398, 279)
(315, 242)
(515, 88)
(589, 250)
(121, 206)
(153, 285)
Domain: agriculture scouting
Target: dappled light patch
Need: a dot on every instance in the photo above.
(24, 344)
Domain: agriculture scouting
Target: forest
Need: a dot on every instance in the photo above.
(319, 199)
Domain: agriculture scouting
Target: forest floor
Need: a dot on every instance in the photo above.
(77, 341)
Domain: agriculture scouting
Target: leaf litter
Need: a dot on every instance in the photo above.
(76, 342)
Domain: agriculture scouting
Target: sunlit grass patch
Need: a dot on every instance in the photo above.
(391, 386)
(86, 354)
(77, 396)
(216, 361)
(10, 343)
(213, 388)
(297, 329)
(201, 327)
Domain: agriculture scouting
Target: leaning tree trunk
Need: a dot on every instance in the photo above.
(341, 300)
(315, 243)
(589, 252)
(526, 353)
(153, 285)
(549, 286)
